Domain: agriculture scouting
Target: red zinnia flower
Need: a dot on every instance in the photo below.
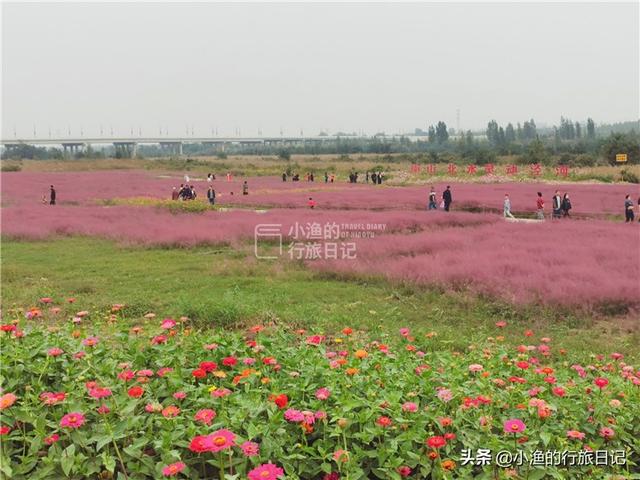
(281, 400)
(436, 441)
(135, 392)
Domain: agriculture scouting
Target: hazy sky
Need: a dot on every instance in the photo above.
(350, 67)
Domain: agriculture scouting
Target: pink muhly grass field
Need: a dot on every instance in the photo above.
(561, 262)
(85, 188)
(157, 226)
(567, 262)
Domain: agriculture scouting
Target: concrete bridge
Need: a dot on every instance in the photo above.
(127, 146)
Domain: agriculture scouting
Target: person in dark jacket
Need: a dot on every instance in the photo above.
(566, 205)
(211, 196)
(52, 196)
(628, 209)
(556, 205)
(447, 198)
(245, 188)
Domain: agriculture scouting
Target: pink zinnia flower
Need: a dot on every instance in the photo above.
(266, 471)
(514, 425)
(72, 420)
(52, 398)
(205, 416)
(220, 392)
(601, 382)
(323, 393)
(90, 341)
(404, 471)
(475, 367)
(99, 392)
(445, 394)
(103, 409)
(51, 439)
(168, 324)
(409, 407)
(173, 469)
(404, 332)
(179, 395)
(250, 449)
(606, 433)
(293, 415)
(222, 440)
(55, 352)
(314, 340)
(575, 434)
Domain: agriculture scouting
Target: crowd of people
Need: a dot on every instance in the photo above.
(445, 200)
(561, 204)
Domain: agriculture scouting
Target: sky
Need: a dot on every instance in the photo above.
(241, 69)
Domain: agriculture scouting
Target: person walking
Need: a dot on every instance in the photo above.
(540, 207)
(628, 209)
(211, 196)
(507, 206)
(52, 196)
(175, 194)
(556, 205)
(566, 205)
(447, 198)
(245, 188)
(432, 200)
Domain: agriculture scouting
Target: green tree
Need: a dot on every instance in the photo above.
(536, 153)
(622, 143)
(442, 136)
(510, 134)
(591, 128)
(431, 134)
(492, 132)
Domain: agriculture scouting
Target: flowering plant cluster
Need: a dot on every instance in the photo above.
(151, 398)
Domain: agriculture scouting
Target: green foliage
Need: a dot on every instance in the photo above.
(628, 176)
(383, 399)
(284, 154)
(616, 143)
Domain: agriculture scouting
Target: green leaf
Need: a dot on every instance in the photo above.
(536, 474)
(546, 438)
(66, 462)
(109, 462)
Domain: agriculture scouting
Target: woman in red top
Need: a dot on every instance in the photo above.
(540, 206)
(311, 203)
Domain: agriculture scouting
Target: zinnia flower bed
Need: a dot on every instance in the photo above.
(100, 395)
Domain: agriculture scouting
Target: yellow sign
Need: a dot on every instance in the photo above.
(621, 157)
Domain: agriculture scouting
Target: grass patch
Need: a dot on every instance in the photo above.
(222, 287)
